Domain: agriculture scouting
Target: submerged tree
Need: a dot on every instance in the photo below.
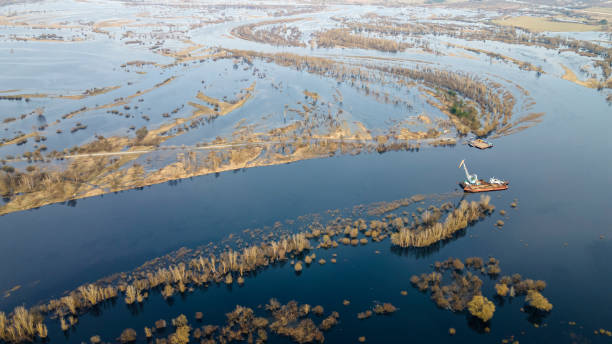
(538, 301)
(481, 307)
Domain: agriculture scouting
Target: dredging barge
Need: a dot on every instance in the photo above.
(472, 184)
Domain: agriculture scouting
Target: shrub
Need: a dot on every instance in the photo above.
(538, 301)
(179, 321)
(481, 307)
(168, 291)
(385, 308)
(364, 315)
(141, 133)
(501, 289)
(160, 324)
(128, 335)
(457, 264)
(329, 322)
(181, 336)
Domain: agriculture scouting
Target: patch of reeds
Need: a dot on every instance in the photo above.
(174, 278)
(22, 325)
(346, 39)
(460, 218)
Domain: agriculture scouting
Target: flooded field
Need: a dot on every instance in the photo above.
(213, 172)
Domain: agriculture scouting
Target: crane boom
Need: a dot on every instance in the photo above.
(467, 174)
(471, 178)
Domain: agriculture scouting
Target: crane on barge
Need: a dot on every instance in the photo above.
(473, 184)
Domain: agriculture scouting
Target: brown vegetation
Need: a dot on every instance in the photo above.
(511, 35)
(481, 307)
(128, 336)
(385, 308)
(501, 289)
(22, 325)
(364, 315)
(495, 104)
(465, 288)
(538, 301)
(277, 34)
(460, 218)
(97, 175)
(199, 271)
(345, 39)
(290, 321)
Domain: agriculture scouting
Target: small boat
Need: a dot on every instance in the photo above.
(473, 184)
(480, 144)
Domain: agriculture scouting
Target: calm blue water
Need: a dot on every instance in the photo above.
(561, 232)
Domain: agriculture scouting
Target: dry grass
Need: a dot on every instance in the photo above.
(540, 24)
(221, 108)
(168, 291)
(386, 207)
(277, 34)
(346, 39)
(459, 219)
(21, 326)
(199, 270)
(132, 295)
(569, 75)
(93, 294)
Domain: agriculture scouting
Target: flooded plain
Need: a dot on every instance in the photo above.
(168, 159)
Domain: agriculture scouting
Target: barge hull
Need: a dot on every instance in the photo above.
(485, 187)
